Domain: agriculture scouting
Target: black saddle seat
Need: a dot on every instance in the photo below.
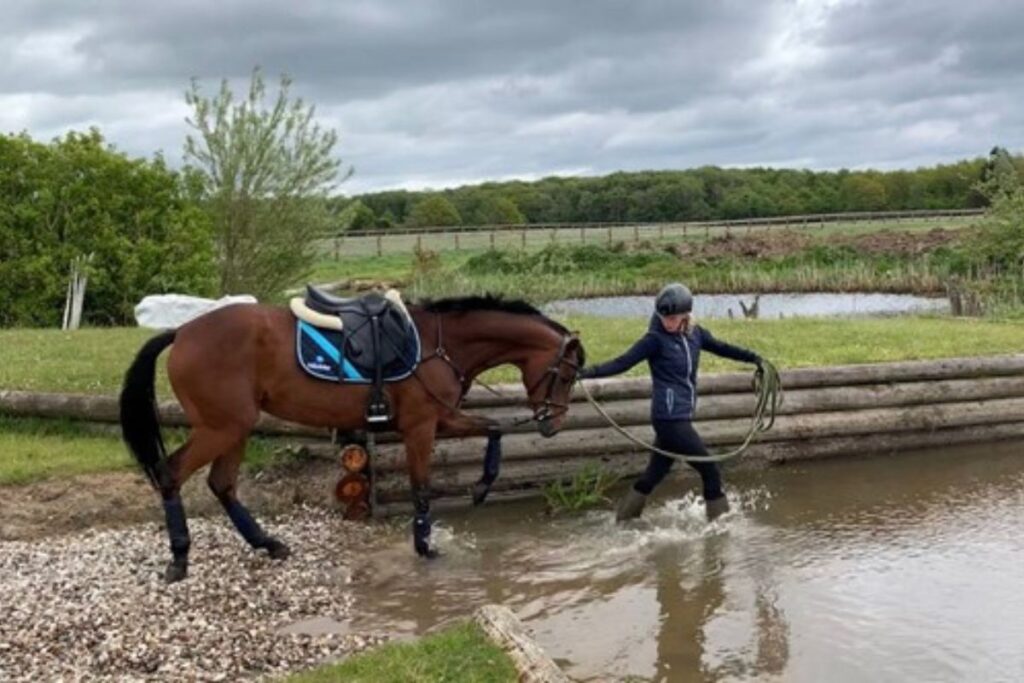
(322, 302)
(377, 332)
(378, 339)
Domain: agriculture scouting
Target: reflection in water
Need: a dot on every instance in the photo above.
(768, 306)
(870, 569)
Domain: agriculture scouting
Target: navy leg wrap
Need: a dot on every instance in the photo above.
(492, 465)
(421, 524)
(250, 529)
(177, 527)
(492, 458)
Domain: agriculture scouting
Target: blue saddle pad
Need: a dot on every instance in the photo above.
(321, 355)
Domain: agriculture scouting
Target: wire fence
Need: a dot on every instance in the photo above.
(537, 235)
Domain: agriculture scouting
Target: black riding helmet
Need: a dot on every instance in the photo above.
(674, 299)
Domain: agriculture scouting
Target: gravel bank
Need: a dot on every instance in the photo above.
(92, 606)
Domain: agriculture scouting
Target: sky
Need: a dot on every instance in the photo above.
(437, 93)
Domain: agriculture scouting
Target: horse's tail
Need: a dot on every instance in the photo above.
(140, 426)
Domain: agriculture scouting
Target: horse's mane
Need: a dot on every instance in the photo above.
(488, 302)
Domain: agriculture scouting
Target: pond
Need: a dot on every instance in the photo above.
(769, 305)
(880, 568)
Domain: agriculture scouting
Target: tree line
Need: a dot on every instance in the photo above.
(707, 193)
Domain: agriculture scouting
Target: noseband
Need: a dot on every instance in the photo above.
(551, 409)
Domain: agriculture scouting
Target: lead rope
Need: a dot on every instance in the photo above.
(767, 389)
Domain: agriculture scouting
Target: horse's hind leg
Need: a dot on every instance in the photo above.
(203, 446)
(223, 482)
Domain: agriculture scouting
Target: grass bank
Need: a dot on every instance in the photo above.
(33, 449)
(778, 261)
(460, 654)
(94, 360)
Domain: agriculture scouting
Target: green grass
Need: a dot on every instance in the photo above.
(585, 489)
(35, 449)
(802, 342)
(31, 450)
(559, 271)
(84, 361)
(556, 269)
(390, 267)
(392, 245)
(461, 654)
(94, 360)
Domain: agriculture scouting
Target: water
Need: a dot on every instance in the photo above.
(770, 305)
(880, 569)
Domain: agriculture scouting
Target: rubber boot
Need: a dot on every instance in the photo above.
(630, 506)
(716, 508)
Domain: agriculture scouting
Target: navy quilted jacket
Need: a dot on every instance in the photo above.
(673, 360)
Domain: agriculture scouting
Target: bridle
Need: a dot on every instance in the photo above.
(546, 410)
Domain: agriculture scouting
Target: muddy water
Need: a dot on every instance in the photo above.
(769, 306)
(880, 569)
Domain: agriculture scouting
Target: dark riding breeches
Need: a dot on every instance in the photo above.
(679, 436)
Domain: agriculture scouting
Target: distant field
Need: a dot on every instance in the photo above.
(537, 238)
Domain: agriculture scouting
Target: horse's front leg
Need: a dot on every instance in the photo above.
(463, 424)
(419, 444)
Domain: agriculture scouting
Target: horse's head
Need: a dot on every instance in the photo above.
(548, 376)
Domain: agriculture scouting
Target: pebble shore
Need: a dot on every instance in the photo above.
(93, 606)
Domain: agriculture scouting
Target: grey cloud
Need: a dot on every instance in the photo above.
(430, 92)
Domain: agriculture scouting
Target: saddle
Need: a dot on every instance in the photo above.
(367, 340)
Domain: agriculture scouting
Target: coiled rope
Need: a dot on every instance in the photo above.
(768, 391)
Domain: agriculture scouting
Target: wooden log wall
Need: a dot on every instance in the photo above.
(833, 411)
(883, 408)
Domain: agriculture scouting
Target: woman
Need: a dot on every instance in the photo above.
(672, 349)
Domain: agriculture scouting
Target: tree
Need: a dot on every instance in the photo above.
(433, 211)
(265, 171)
(863, 193)
(497, 210)
(61, 202)
(355, 216)
(999, 174)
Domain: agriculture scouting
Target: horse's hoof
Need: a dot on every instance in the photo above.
(480, 491)
(277, 550)
(176, 571)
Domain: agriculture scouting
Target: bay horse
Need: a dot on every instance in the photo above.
(231, 363)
